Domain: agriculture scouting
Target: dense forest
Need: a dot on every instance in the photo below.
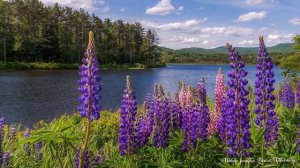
(33, 32)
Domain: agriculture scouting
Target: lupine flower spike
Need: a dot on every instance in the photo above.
(144, 128)
(223, 121)
(89, 86)
(176, 113)
(190, 122)
(288, 96)
(297, 95)
(5, 163)
(89, 83)
(238, 113)
(266, 118)
(38, 153)
(161, 120)
(127, 120)
(219, 93)
(86, 159)
(203, 109)
(182, 95)
(26, 145)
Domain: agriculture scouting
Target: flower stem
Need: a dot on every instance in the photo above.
(262, 153)
(83, 148)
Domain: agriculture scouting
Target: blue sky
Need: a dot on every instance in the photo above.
(203, 23)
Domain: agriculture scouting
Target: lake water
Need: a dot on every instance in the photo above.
(29, 96)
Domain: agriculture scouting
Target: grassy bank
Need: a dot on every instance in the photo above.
(58, 66)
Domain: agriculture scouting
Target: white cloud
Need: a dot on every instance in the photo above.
(228, 31)
(163, 7)
(122, 9)
(295, 21)
(252, 16)
(195, 33)
(190, 40)
(280, 37)
(247, 42)
(254, 2)
(185, 25)
(204, 42)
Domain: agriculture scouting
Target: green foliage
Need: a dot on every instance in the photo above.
(290, 64)
(296, 40)
(63, 136)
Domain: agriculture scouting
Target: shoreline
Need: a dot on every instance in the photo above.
(73, 66)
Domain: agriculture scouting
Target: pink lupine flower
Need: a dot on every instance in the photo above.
(219, 92)
(183, 95)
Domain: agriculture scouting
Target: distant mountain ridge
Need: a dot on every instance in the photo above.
(279, 48)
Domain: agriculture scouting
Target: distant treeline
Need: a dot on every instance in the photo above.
(216, 58)
(33, 32)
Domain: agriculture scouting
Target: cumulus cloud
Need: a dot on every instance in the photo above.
(247, 42)
(190, 40)
(254, 2)
(252, 16)
(184, 25)
(193, 33)
(280, 37)
(295, 21)
(163, 7)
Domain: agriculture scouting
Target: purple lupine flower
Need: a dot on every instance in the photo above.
(162, 119)
(288, 96)
(77, 158)
(89, 83)
(26, 145)
(1, 139)
(152, 102)
(5, 163)
(38, 154)
(190, 122)
(267, 117)
(238, 113)
(203, 109)
(222, 124)
(297, 95)
(176, 113)
(98, 159)
(86, 159)
(127, 120)
(144, 128)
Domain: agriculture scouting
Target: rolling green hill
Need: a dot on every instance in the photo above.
(219, 54)
(280, 48)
